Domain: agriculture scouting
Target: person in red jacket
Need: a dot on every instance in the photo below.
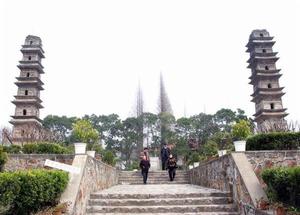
(145, 165)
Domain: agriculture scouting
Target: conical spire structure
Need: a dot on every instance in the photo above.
(164, 104)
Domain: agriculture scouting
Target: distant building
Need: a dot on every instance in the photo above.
(269, 112)
(26, 119)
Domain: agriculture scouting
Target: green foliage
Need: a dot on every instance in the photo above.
(133, 165)
(274, 141)
(3, 158)
(109, 158)
(241, 130)
(283, 184)
(209, 149)
(45, 148)
(23, 192)
(223, 139)
(194, 157)
(83, 131)
(60, 126)
(12, 149)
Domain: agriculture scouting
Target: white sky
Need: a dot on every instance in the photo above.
(96, 51)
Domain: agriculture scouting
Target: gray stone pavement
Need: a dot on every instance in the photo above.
(157, 189)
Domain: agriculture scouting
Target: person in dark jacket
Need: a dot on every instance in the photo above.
(164, 153)
(171, 166)
(145, 165)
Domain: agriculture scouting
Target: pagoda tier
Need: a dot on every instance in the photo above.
(265, 79)
(27, 101)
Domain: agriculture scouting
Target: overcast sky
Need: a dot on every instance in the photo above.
(96, 51)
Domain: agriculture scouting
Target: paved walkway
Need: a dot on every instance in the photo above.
(158, 189)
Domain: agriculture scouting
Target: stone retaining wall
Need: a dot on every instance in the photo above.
(261, 160)
(33, 161)
(231, 173)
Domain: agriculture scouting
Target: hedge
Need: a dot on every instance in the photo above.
(274, 141)
(44, 148)
(23, 192)
(283, 184)
(12, 149)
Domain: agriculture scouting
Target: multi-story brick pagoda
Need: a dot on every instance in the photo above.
(269, 111)
(26, 122)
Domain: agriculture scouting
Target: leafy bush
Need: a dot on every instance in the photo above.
(3, 158)
(109, 158)
(209, 149)
(283, 184)
(12, 149)
(45, 148)
(241, 130)
(274, 141)
(23, 192)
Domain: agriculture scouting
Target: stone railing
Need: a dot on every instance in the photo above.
(232, 173)
(94, 175)
(33, 161)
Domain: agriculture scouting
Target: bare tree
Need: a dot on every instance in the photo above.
(6, 136)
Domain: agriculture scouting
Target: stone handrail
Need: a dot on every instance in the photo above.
(94, 175)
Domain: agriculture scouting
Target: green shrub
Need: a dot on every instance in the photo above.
(283, 184)
(3, 158)
(23, 192)
(209, 149)
(109, 158)
(133, 165)
(45, 148)
(274, 141)
(12, 149)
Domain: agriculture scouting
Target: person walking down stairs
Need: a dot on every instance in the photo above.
(145, 165)
(171, 167)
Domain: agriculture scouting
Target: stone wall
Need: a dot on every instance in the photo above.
(261, 160)
(33, 161)
(95, 175)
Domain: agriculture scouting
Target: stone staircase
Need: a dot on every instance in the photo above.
(161, 199)
(154, 177)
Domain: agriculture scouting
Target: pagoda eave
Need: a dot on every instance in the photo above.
(29, 79)
(265, 116)
(30, 62)
(28, 102)
(264, 59)
(25, 119)
(22, 97)
(267, 90)
(26, 84)
(31, 66)
(258, 98)
(33, 47)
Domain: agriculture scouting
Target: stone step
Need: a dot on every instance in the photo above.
(155, 201)
(152, 173)
(152, 176)
(162, 209)
(154, 179)
(157, 196)
(197, 213)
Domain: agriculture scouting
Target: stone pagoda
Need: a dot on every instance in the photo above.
(26, 122)
(269, 112)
